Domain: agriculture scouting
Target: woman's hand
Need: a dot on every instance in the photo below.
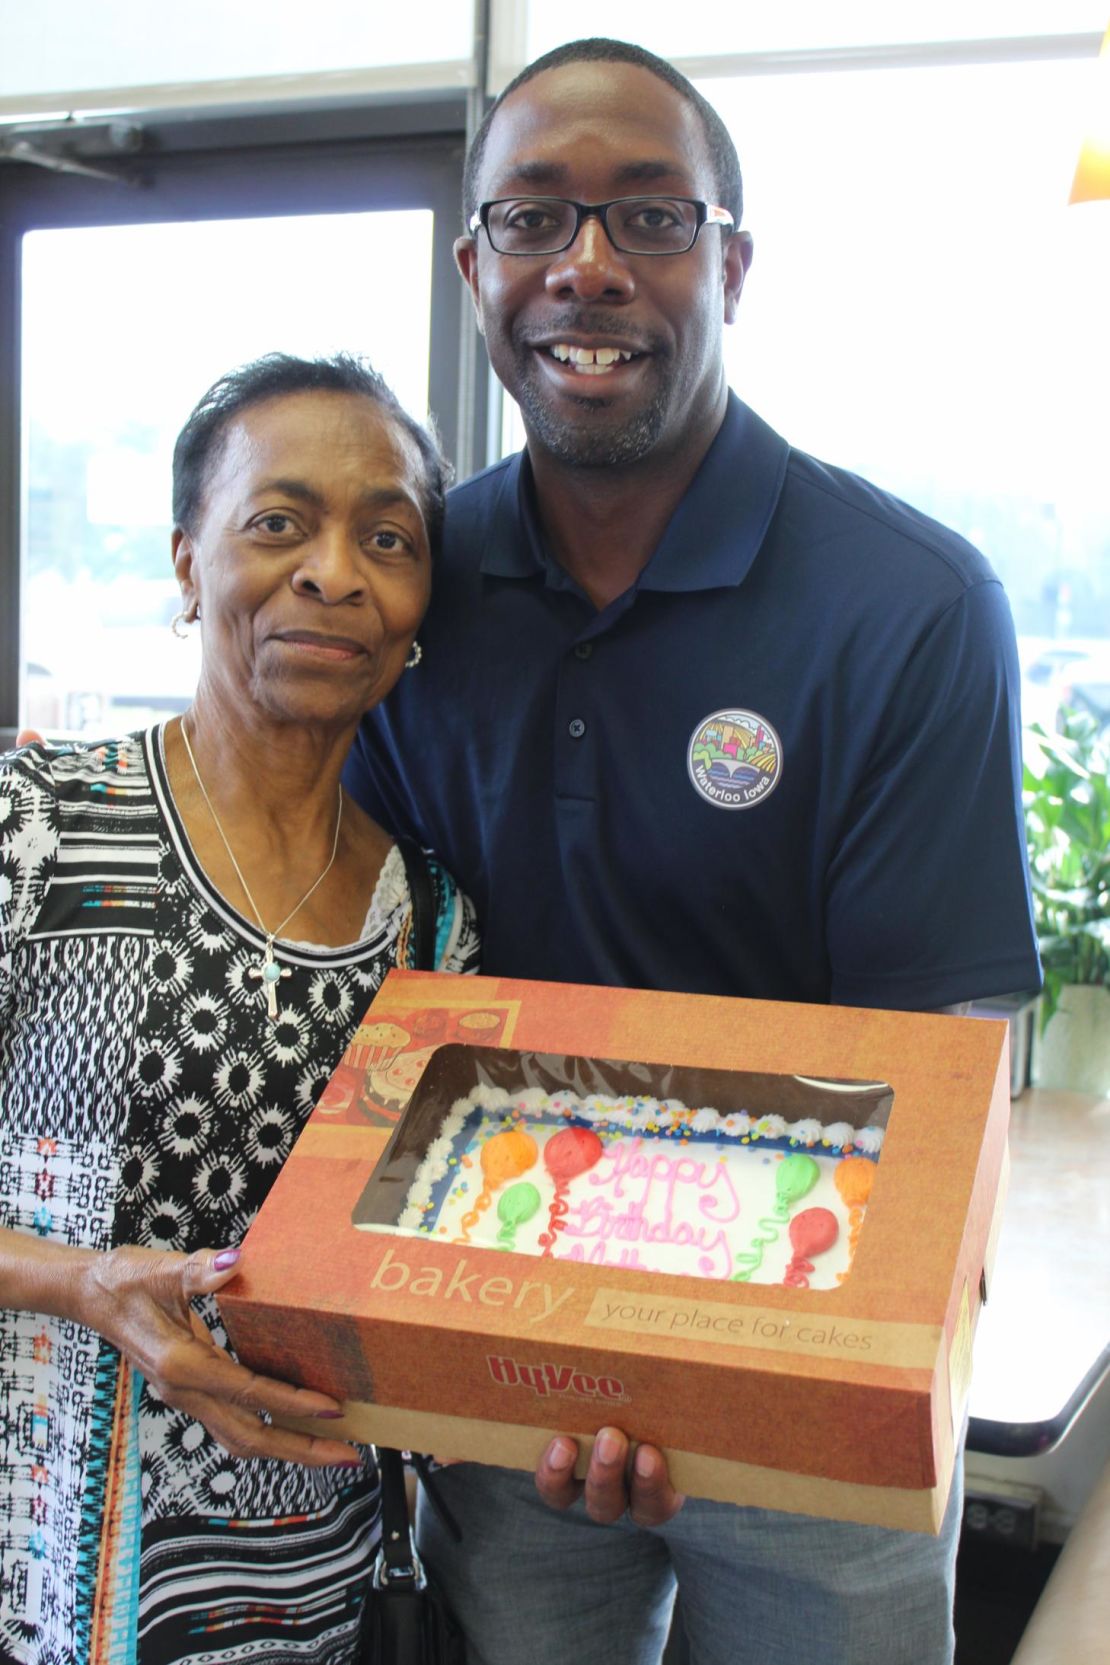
(139, 1300)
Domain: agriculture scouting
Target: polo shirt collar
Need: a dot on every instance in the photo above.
(711, 539)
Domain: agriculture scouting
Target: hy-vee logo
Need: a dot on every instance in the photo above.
(554, 1378)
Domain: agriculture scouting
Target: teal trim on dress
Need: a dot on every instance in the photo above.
(118, 1580)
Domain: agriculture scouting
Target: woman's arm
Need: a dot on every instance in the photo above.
(139, 1300)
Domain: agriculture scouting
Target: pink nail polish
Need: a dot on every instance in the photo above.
(225, 1258)
(327, 1416)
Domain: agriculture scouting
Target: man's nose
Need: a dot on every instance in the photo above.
(591, 268)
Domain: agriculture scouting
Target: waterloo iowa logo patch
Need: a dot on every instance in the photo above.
(735, 759)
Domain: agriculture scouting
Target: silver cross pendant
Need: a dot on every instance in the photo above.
(270, 972)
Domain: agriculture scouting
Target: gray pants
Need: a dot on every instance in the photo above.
(534, 1587)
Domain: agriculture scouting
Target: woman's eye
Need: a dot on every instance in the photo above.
(275, 524)
(389, 543)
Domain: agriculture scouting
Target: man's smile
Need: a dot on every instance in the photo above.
(590, 361)
(617, 359)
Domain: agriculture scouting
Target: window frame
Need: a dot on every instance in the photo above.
(348, 157)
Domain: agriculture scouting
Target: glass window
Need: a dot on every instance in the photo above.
(70, 46)
(702, 28)
(926, 310)
(123, 328)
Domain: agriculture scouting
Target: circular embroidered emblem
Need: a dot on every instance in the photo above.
(735, 759)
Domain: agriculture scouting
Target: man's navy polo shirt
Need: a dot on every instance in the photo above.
(799, 641)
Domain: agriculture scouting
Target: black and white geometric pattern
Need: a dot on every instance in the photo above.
(145, 1098)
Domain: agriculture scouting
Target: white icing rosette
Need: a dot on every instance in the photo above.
(808, 1132)
(440, 1150)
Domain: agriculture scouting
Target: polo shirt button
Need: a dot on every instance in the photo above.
(583, 650)
(577, 728)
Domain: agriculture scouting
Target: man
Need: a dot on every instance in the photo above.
(657, 564)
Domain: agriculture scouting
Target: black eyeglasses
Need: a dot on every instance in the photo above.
(634, 225)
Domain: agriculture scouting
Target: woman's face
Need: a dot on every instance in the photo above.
(310, 563)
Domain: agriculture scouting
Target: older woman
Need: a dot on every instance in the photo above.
(191, 921)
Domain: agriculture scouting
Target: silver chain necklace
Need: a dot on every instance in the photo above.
(267, 970)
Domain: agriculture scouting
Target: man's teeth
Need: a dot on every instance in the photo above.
(590, 361)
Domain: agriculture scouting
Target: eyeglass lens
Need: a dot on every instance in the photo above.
(636, 225)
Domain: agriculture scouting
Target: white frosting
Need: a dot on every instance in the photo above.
(668, 1204)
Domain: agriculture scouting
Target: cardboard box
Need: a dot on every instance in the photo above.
(843, 1402)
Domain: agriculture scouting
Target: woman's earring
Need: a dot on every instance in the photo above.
(187, 615)
(416, 654)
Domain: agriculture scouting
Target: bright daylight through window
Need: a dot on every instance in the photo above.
(925, 309)
(112, 367)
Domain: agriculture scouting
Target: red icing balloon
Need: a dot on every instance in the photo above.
(571, 1152)
(813, 1231)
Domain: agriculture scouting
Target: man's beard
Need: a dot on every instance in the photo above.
(596, 440)
(592, 443)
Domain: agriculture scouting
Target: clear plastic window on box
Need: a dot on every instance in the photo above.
(730, 1175)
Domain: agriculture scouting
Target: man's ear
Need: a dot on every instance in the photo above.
(181, 546)
(466, 259)
(739, 249)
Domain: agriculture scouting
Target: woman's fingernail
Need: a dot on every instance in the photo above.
(327, 1416)
(354, 1463)
(561, 1455)
(225, 1258)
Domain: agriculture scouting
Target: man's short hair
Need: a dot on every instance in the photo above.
(723, 159)
(275, 376)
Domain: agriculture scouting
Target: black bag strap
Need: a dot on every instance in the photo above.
(423, 898)
(401, 1566)
(401, 1563)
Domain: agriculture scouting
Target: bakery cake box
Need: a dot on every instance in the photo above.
(755, 1234)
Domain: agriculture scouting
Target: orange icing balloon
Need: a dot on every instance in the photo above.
(506, 1156)
(854, 1179)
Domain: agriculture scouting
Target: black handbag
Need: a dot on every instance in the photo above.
(405, 1619)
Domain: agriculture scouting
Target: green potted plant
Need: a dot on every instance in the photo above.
(1067, 815)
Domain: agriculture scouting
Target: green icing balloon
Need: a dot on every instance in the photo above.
(514, 1207)
(518, 1204)
(795, 1178)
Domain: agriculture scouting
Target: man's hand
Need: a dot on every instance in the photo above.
(647, 1495)
(139, 1299)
